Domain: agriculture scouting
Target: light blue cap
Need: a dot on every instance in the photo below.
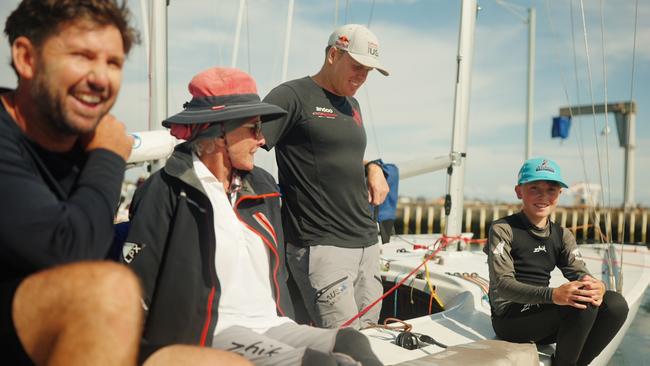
(540, 169)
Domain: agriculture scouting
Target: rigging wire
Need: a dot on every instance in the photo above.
(372, 12)
(581, 148)
(549, 18)
(443, 243)
(248, 40)
(347, 10)
(609, 259)
(636, 23)
(606, 134)
(591, 93)
(606, 238)
(581, 144)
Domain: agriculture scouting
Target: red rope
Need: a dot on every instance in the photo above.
(444, 240)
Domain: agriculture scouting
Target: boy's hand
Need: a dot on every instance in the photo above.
(596, 289)
(572, 294)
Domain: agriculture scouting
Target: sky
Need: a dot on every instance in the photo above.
(409, 114)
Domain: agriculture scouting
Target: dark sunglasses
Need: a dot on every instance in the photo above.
(256, 126)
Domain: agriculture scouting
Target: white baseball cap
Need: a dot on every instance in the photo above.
(360, 43)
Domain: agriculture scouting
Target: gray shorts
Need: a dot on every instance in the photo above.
(284, 345)
(337, 283)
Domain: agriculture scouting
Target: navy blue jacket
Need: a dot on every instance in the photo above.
(56, 207)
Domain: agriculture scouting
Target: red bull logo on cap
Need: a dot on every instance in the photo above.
(342, 42)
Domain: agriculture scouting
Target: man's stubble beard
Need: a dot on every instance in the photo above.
(51, 108)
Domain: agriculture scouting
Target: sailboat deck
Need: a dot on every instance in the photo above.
(466, 317)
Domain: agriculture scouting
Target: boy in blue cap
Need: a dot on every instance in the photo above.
(580, 316)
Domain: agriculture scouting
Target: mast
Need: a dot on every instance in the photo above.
(158, 69)
(240, 17)
(456, 171)
(531, 82)
(287, 41)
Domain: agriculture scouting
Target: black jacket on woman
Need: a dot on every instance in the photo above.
(171, 246)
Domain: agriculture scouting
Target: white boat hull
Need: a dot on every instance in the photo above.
(466, 317)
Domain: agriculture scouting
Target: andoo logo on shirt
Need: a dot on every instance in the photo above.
(324, 112)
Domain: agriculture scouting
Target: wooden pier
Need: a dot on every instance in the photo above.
(621, 226)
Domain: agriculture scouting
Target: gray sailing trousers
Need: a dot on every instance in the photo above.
(337, 283)
(288, 344)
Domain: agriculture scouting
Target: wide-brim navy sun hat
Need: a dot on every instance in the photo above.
(223, 94)
(537, 169)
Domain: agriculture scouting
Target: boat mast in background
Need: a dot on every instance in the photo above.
(240, 17)
(157, 69)
(287, 42)
(456, 171)
(530, 19)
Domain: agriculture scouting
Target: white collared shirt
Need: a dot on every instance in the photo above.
(242, 265)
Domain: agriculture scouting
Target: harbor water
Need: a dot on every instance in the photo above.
(633, 350)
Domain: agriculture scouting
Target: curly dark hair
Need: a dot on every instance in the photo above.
(39, 19)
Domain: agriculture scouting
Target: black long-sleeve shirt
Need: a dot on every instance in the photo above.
(506, 284)
(55, 207)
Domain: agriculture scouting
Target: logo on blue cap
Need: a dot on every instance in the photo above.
(540, 169)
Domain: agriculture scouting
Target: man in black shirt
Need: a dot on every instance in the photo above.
(62, 160)
(332, 248)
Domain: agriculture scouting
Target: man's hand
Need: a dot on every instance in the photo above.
(596, 288)
(110, 134)
(377, 185)
(573, 294)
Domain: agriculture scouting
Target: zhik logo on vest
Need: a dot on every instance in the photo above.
(540, 248)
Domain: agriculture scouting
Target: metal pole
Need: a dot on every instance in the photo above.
(456, 171)
(287, 42)
(531, 82)
(630, 164)
(158, 72)
(235, 48)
